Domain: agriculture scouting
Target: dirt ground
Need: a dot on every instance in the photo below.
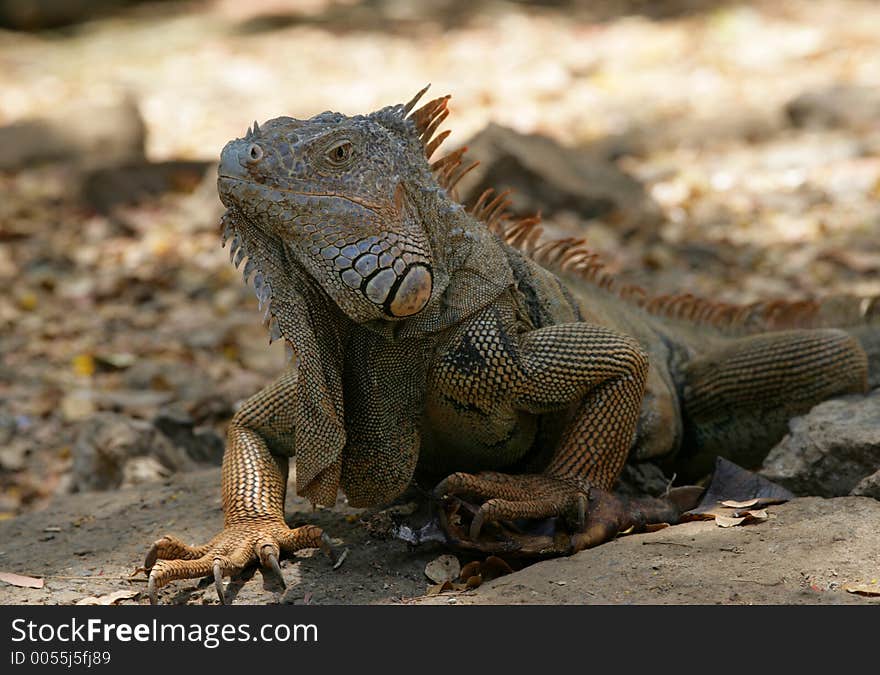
(89, 545)
(136, 308)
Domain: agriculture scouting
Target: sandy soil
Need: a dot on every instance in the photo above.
(87, 545)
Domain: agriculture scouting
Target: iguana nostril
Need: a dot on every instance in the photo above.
(412, 292)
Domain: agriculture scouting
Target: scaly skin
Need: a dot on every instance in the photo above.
(434, 339)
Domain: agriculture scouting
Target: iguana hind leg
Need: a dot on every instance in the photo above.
(254, 489)
(737, 400)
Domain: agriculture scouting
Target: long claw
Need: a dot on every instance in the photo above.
(218, 582)
(340, 560)
(151, 590)
(335, 559)
(476, 526)
(327, 548)
(581, 512)
(272, 559)
(152, 555)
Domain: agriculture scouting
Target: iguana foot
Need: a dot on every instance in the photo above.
(236, 547)
(566, 517)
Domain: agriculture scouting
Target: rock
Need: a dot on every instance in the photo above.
(642, 478)
(91, 135)
(831, 449)
(42, 14)
(548, 177)
(643, 139)
(868, 487)
(113, 450)
(840, 106)
(107, 187)
(13, 451)
(202, 445)
(13, 455)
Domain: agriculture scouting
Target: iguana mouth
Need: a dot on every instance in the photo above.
(297, 194)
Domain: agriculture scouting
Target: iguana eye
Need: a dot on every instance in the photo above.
(340, 153)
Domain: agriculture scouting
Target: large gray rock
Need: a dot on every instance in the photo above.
(34, 15)
(90, 134)
(831, 451)
(869, 486)
(113, 450)
(839, 106)
(548, 177)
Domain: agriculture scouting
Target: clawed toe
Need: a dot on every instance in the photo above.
(233, 549)
(218, 582)
(560, 517)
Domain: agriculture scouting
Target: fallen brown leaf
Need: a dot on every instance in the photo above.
(756, 516)
(469, 570)
(736, 517)
(871, 589)
(739, 505)
(437, 589)
(109, 599)
(727, 521)
(21, 580)
(443, 568)
(473, 581)
(494, 567)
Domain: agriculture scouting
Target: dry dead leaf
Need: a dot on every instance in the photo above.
(494, 567)
(473, 581)
(21, 580)
(756, 516)
(442, 569)
(83, 365)
(727, 521)
(741, 518)
(77, 406)
(469, 570)
(731, 484)
(739, 505)
(476, 572)
(109, 599)
(437, 589)
(871, 589)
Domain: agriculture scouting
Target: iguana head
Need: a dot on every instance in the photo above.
(345, 197)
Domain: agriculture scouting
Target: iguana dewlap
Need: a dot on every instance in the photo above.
(452, 341)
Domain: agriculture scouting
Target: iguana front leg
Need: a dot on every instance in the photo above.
(598, 372)
(255, 467)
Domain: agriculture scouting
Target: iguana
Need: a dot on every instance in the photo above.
(451, 341)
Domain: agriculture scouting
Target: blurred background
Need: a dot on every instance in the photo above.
(731, 149)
